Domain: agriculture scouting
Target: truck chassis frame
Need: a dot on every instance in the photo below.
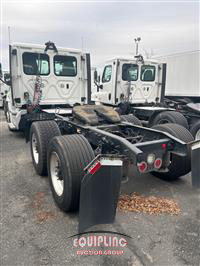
(113, 142)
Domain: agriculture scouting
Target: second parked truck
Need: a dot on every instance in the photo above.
(138, 86)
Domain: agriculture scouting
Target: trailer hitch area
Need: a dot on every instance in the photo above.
(99, 193)
(195, 163)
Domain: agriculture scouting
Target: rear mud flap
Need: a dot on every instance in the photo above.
(195, 149)
(100, 192)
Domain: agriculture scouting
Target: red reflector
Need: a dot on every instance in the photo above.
(95, 168)
(157, 163)
(142, 167)
(164, 146)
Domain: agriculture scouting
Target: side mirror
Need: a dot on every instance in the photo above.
(1, 74)
(7, 79)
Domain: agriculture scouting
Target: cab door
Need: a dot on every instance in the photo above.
(149, 82)
(127, 87)
(106, 85)
(138, 82)
(67, 79)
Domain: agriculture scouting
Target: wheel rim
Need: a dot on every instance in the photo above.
(35, 148)
(55, 173)
(7, 116)
(197, 136)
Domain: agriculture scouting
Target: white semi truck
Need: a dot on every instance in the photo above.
(4, 88)
(85, 148)
(46, 79)
(138, 86)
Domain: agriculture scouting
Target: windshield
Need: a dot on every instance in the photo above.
(35, 64)
(148, 73)
(130, 72)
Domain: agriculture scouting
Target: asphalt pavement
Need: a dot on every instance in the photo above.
(35, 232)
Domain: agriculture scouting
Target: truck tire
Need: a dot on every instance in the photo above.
(195, 130)
(185, 100)
(170, 117)
(180, 165)
(41, 133)
(67, 157)
(131, 119)
(6, 112)
(7, 116)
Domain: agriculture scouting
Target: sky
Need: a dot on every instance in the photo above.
(106, 29)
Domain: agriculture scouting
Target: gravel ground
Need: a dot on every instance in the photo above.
(35, 232)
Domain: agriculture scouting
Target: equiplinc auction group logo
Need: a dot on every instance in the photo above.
(90, 245)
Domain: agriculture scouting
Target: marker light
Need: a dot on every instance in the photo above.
(170, 146)
(151, 158)
(164, 146)
(94, 168)
(157, 163)
(142, 167)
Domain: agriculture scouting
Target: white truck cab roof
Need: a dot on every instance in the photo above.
(31, 46)
(130, 59)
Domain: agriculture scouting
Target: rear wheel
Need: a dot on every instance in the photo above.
(67, 157)
(41, 133)
(6, 112)
(7, 116)
(180, 165)
(185, 100)
(170, 117)
(131, 119)
(195, 130)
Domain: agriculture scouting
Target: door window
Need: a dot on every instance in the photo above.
(107, 73)
(35, 64)
(130, 72)
(148, 73)
(65, 65)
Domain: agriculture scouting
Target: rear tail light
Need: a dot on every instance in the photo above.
(164, 146)
(169, 146)
(142, 167)
(157, 163)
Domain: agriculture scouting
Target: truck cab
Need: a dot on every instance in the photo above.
(47, 76)
(136, 81)
(4, 87)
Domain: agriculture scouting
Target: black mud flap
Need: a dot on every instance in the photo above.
(195, 149)
(100, 192)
